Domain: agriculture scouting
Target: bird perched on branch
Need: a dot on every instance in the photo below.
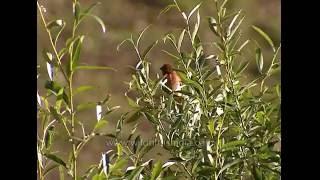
(173, 79)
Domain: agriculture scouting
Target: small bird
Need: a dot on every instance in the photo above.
(173, 79)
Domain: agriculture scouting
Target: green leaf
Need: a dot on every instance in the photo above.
(150, 117)
(141, 34)
(257, 173)
(128, 39)
(166, 9)
(228, 165)
(55, 159)
(194, 10)
(213, 25)
(134, 117)
(59, 99)
(223, 4)
(118, 165)
(170, 178)
(48, 138)
(259, 59)
(135, 173)
(156, 86)
(180, 40)
(49, 169)
(61, 173)
(235, 29)
(265, 36)
(76, 52)
(77, 11)
(211, 127)
(243, 45)
(242, 67)
(146, 52)
(62, 52)
(119, 126)
(172, 39)
(101, 176)
(119, 149)
(89, 172)
(233, 144)
(191, 82)
(156, 170)
(55, 23)
(82, 89)
(55, 114)
(85, 106)
(196, 28)
(260, 117)
(88, 10)
(53, 86)
(146, 148)
(175, 57)
(248, 86)
(136, 144)
(99, 20)
(132, 103)
(233, 21)
(100, 124)
(95, 68)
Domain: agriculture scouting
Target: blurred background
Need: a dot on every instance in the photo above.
(123, 18)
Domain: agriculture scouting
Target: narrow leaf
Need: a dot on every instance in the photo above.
(49, 169)
(229, 165)
(242, 67)
(194, 10)
(99, 20)
(95, 68)
(180, 40)
(141, 34)
(132, 103)
(100, 124)
(135, 173)
(196, 28)
(55, 159)
(82, 89)
(211, 127)
(259, 59)
(136, 144)
(265, 36)
(50, 69)
(76, 52)
(156, 170)
(85, 106)
(145, 53)
(166, 9)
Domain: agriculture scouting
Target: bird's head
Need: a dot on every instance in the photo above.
(166, 69)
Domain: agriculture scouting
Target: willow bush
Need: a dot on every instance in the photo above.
(220, 125)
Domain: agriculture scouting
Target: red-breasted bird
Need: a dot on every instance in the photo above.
(173, 79)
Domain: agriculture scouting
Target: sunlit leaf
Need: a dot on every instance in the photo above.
(100, 124)
(135, 173)
(259, 59)
(211, 127)
(194, 10)
(156, 170)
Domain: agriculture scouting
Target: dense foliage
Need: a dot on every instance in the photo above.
(220, 125)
